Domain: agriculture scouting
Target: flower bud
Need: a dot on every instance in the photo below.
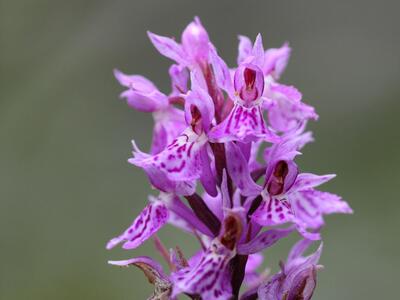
(249, 82)
(195, 40)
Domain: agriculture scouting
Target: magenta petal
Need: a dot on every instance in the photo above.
(195, 41)
(287, 111)
(310, 206)
(183, 217)
(258, 52)
(168, 47)
(254, 261)
(287, 149)
(300, 280)
(207, 177)
(157, 177)
(180, 161)
(142, 94)
(150, 220)
(298, 250)
(168, 125)
(296, 280)
(225, 197)
(276, 60)
(264, 240)
(146, 102)
(215, 204)
(244, 124)
(245, 48)
(200, 99)
(136, 82)
(209, 278)
(179, 79)
(221, 73)
(239, 172)
(306, 181)
(271, 289)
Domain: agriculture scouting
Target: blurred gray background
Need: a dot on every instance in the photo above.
(65, 185)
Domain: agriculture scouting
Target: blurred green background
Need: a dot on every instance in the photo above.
(66, 187)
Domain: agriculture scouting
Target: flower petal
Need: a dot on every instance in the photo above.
(150, 220)
(168, 47)
(157, 177)
(180, 161)
(207, 177)
(245, 48)
(258, 52)
(221, 72)
(209, 278)
(287, 111)
(239, 172)
(199, 98)
(146, 102)
(306, 181)
(179, 79)
(136, 82)
(298, 250)
(244, 124)
(276, 60)
(168, 125)
(195, 41)
(254, 261)
(271, 289)
(273, 212)
(264, 240)
(310, 206)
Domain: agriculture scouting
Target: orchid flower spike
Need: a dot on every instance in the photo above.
(222, 164)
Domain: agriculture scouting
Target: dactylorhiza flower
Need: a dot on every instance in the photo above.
(223, 160)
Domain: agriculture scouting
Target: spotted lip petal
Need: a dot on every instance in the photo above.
(157, 177)
(149, 221)
(209, 278)
(244, 124)
(180, 161)
(273, 212)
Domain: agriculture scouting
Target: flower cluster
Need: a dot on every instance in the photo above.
(222, 158)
